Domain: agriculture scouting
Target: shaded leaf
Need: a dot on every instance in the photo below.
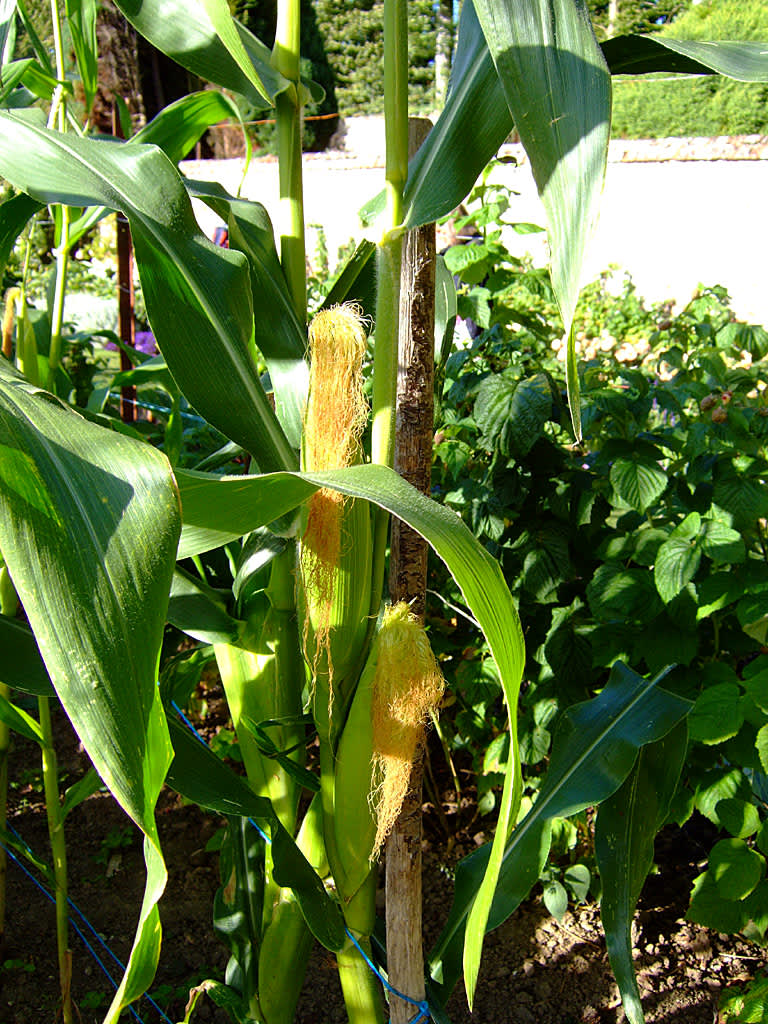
(625, 828)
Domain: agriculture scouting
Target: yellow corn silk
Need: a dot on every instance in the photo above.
(336, 546)
(400, 687)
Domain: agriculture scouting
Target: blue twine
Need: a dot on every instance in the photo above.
(422, 1005)
(84, 940)
(87, 924)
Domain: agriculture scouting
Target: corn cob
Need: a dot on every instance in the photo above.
(336, 543)
(398, 689)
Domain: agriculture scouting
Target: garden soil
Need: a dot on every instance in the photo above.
(534, 969)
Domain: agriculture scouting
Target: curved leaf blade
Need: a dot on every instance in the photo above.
(89, 523)
(197, 294)
(198, 774)
(625, 828)
(278, 334)
(23, 668)
(192, 33)
(237, 505)
(593, 749)
(638, 55)
(557, 88)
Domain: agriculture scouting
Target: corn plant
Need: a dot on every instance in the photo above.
(104, 542)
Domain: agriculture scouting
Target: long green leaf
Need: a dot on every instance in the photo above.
(557, 87)
(639, 55)
(200, 776)
(198, 294)
(233, 506)
(19, 721)
(190, 31)
(89, 524)
(278, 334)
(15, 213)
(593, 749)
(81, 17)
(22, 668)
(476, 120)
(625, 828)
(175, 130)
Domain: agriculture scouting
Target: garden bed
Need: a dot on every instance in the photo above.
(534, 969)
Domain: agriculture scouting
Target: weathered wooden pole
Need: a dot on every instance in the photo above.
(407, 582)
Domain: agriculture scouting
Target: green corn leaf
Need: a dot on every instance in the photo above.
(74, 795)
(15, 213)
(175, 130)
(357, 281)
(104, 510)
(200, 776)
(23, 668)
(198, 611)
(624, 834)
(234, 506)
(237, 906)
(557, 88)
(19, 721)
(201, 36)
(278, 335)
(198, 294)
(594, 747)
(641, 55)
(81, 18)
(12, 76)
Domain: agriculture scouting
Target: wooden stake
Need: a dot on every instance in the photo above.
(407, 582)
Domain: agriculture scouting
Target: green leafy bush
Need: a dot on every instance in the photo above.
(646, 543)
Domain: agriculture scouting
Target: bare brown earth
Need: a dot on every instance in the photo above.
(534, 969)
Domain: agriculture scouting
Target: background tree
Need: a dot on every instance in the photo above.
(622, 17)
(351, 31)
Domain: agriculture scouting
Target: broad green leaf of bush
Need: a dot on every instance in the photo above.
(89, 525)
(512, 411)
(717, 714)
(639, 481)
(717, 785)
(735, 868)
(620, 594)
(761, 742)
(625, 828)
(721, 543)
(198, 295)
(739, 817)
(678, 558)
(710, 908)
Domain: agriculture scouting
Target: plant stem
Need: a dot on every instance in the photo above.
(8, 605)
(288, 106)
(59, 293)
(389, 259)
(61, 216)
(59, 851)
